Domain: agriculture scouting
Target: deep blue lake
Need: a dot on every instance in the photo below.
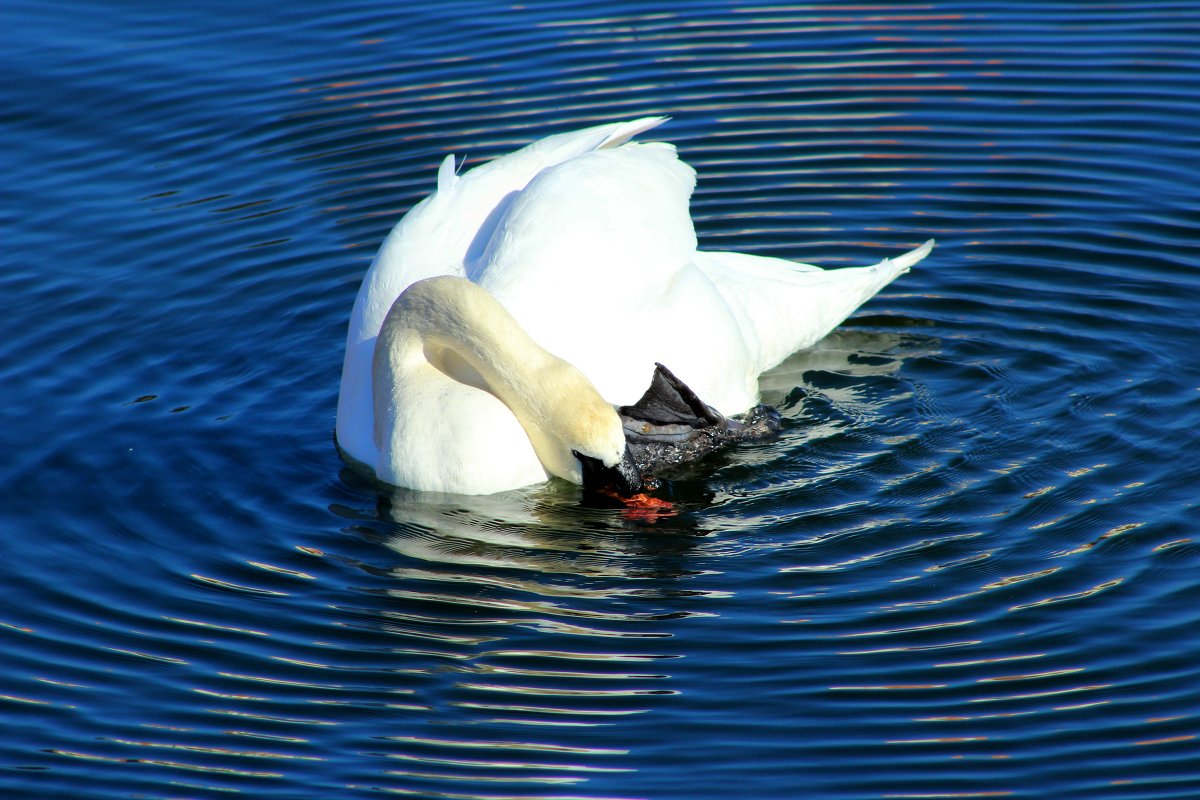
(968, 567)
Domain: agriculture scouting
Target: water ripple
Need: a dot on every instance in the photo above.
(964, 568)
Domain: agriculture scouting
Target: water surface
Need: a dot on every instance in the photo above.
(965, 569)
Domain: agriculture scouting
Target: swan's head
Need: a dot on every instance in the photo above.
(610, 472)
(587, 435)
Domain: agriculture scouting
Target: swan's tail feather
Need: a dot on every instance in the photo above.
(905, 262)
(885, 272)
(782, 306)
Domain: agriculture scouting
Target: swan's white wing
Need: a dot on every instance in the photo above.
(609, 220)
(594, 259)
(433, 239)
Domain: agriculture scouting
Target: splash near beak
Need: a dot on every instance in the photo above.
(624, 479)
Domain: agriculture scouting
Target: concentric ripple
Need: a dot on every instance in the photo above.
(966, 567)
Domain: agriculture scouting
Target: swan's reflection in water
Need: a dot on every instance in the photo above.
(546, 529)
(523, 620)
(851, 353)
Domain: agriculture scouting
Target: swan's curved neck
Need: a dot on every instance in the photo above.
(458, 324)
(449, 329)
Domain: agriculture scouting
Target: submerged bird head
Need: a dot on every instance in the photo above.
(621, 476)
(606, 464)
(587, 434)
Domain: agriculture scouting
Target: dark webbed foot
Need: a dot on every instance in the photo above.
(670, 426)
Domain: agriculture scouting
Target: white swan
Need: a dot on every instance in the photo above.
(577, 252)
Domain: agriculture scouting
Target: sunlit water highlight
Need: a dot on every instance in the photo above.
(965, 569)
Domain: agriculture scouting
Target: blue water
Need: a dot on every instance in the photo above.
(967, 567)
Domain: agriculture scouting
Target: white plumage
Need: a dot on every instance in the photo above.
(585, 238)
